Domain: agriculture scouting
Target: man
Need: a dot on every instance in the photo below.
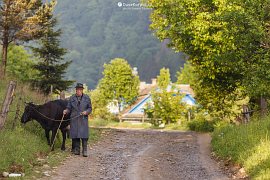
(80, 107)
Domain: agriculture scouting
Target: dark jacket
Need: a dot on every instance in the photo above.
(79, 126)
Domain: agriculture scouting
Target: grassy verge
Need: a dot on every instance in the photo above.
(247, 145)
(114, 124)
(183, 126)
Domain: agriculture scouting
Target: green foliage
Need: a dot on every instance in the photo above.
(186, 75)
(50, 67)
(22, 21)
(96, 31)
(201, 125)
(227, 43)
(19, 64)
(119, 83)
(183, 126)
(164, 78)
(221, 107)
(99, 105)
(247, 145)
(213, 105)
(167, 104)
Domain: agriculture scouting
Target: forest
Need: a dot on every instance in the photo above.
(96, 31)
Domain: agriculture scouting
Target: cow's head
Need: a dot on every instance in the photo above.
(28, 111)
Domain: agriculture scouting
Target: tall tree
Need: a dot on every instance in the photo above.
(119, 82)
(225, 41)
(167, 103)
(164, 78)
(51, 65)
(21, 20)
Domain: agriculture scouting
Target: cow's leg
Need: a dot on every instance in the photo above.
(47, 133)
(68, 131)
(53, 138)
(64, 135)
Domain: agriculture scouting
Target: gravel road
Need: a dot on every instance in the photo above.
(144, 155)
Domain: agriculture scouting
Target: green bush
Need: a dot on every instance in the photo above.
(247, 145)
(201, 125)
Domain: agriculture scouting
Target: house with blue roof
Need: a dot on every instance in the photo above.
(136, 112)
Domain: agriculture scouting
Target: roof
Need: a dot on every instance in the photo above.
(185, 89)
(136, 110)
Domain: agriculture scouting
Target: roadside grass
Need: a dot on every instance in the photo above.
(18, 148)
(181, 127)
(101, 123)
(247, 145)
(201, 125)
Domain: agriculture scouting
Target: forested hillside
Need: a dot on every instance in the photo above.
(96, 31)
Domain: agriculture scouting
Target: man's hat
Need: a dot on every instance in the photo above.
(79, 85)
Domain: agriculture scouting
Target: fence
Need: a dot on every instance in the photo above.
(6, 103)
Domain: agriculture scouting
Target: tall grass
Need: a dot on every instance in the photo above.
(19, 148)
(247, 145)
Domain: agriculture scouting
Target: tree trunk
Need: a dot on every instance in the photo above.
(4, 59)
(119, 109)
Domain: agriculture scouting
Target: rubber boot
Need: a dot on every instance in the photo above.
(73, 143)
(77, 146)
(84, 147)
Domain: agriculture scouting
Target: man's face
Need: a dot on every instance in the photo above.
(79, 91)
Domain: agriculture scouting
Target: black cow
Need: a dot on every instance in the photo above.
(44, 114)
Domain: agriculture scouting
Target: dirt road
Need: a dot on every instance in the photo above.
(144, 155)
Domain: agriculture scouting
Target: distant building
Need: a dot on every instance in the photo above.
(136, 112)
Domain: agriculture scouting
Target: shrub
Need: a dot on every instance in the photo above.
(201, 125)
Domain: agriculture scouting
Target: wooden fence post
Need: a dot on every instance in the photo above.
(246, 114)
(7, 102)
(143, 118)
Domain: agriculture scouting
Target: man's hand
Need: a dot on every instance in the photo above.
(65, 111)
(84, 113)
